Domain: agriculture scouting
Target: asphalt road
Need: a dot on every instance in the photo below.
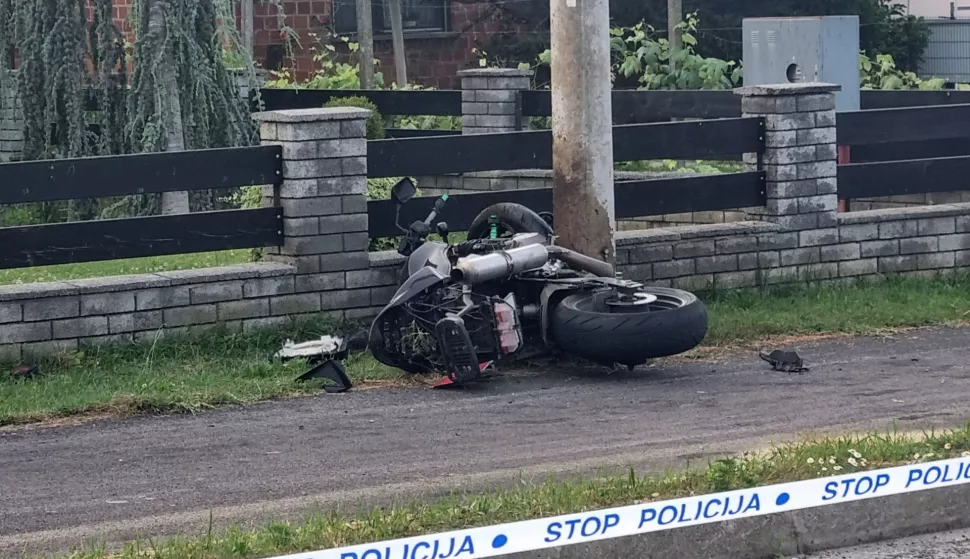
(163, 475)
(943, 545)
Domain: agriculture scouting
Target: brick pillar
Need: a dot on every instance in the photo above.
(324, 203)
(488, 97)
(800, 154)
(11, 121)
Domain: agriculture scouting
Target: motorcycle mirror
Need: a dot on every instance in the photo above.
(403, 191)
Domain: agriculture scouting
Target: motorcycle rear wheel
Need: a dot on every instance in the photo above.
(582, 324)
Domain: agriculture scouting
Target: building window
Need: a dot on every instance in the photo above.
(416, 16)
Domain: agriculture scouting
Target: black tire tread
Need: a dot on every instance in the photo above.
(629, 339)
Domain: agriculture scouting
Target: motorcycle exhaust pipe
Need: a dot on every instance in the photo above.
(596, 267)
(500, 265)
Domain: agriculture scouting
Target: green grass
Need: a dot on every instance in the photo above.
(805, 460)
(175, 374)
(189, 373)
(124, 267)
(862, 308)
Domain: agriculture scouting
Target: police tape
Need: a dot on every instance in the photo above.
(569, 529)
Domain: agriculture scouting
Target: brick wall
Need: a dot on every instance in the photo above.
(40, 318)
(433, 58)
(911, 242)
(11, 121)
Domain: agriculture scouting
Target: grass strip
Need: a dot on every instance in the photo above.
(187, 373)
(790, 462)
(177, 373)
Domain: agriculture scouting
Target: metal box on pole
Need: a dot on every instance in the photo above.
(804, 49)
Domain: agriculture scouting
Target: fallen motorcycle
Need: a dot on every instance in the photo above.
(508, 293)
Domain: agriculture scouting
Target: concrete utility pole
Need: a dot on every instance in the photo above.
(582, 127)
(397, 34)
(365, 40)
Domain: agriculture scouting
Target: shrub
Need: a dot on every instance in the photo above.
(375, 124)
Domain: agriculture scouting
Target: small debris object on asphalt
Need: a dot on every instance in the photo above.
(785, 361)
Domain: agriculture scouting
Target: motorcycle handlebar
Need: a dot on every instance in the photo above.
(439, 206)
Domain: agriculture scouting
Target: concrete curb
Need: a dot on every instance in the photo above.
(788, 534)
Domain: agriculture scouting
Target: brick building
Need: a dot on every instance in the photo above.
(439, 34)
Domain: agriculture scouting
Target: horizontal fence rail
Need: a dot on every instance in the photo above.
(919, 176)
(115, 239)
(388, 102)
(893, 99)
(896, 151)
(633, 199)
(149, 173)
(401, 133)
(632, 106)
(884, 126)
(533, 149)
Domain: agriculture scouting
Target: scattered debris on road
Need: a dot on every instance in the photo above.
(323, 356)
(785, 361)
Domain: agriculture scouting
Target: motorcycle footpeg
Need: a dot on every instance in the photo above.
(459, 352)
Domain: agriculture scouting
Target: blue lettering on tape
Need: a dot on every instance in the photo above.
(702, 508)
(584, 527)
(933, 474)
(430, 549)
(858, 486)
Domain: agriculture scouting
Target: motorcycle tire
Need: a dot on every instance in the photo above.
(513, 218)
(582, 325)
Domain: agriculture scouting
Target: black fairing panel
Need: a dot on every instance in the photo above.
(430, 254)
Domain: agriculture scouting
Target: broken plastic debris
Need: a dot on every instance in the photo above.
(326, 345)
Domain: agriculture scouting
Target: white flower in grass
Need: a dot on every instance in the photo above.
(947, 446)
(837, 468)
(811, 460)
(855, 454)
(853, 462)
(832, 460)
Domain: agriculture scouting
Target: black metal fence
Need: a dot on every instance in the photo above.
(906, 143)
(533, 150)
(636, 107)
(923, 168)
(882, 130)
(113, 239)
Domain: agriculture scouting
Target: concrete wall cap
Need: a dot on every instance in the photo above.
(313, 115)
(773, 90)
(494, 73)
